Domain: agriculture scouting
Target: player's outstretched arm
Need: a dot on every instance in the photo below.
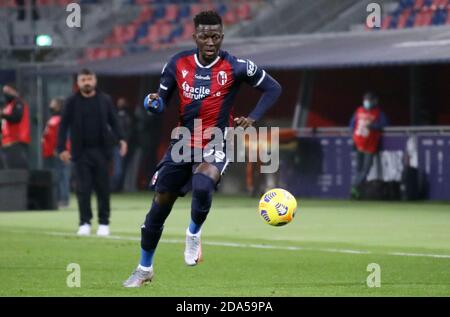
(271, 91)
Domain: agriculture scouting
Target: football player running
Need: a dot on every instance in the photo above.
(207, 79)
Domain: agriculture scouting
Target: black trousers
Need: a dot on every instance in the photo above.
(15, 156)
(91, 173)
(364, 163)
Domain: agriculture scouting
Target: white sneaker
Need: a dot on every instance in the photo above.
(84, 230)
(193, 250)
(138, 278)
(103, 230)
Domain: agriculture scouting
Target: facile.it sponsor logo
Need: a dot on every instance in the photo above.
(195, 93)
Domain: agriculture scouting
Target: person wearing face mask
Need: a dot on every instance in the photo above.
(50, 155)
(367, 124)
(15, 117)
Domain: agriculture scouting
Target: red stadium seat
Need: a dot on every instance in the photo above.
(171, 12)
(115, 52)
(89, 53)
(7, 4)
(385, 23)
(440, 3)
(423, 18)
(101, 53)
(418, 5)
(196, 9)
(243, 11)
(403, 18)
(188, 30)
(230, 17)
(63, 3)
(145, 15)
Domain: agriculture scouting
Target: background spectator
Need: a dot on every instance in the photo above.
(51, 159)
(367, 124)
(15, 116)
(120, 163)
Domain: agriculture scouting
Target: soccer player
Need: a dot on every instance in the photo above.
(207, 79)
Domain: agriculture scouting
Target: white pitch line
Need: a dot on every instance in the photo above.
(266, 246)
(439, 256)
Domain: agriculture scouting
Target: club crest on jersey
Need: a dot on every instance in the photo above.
(222, 78)
(251, 68)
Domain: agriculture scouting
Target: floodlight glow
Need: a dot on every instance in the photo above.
(44, 40)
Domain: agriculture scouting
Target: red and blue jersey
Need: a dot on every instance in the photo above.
(207, 92)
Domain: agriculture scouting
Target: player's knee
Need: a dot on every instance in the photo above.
(165, 199)
(157, 215)
(202, 187)
(208, 170)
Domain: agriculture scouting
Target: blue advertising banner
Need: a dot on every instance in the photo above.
(434, 163)
(323, 167)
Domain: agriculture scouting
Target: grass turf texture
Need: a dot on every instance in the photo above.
(36, 248)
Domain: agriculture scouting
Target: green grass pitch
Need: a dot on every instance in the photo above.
(325, 251)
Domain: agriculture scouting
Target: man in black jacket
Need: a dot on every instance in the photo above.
(90, 119)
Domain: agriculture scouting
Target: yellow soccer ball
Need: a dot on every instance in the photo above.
(277, 207)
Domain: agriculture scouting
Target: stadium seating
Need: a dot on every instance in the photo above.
(161, 23)
(43, 3)
(418, 13)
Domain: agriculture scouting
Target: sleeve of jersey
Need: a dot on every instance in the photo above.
(271, 90)
(258, 78)
(167, 81)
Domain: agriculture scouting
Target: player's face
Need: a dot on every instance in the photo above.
(208, 39)
(54, 106)
(87, 83)
(9, 91)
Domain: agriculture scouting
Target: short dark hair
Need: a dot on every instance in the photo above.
(207, 18)
(85, 71)
(11, 85)
(59, 100)
(370, 95)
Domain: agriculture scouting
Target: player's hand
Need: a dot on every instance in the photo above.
(243, 122)
(65, 156)
(154, 103)
(123, 148)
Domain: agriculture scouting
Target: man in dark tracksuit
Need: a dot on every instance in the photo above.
(90, 118)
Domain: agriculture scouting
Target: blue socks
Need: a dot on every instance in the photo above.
(151, 232)
(146, 258)
(194, 228)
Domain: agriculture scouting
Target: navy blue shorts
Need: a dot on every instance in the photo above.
(176, 177)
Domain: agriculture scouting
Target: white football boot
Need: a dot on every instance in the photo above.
(103, 231)
(138, 278)
(193, 250)
(84, 230)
